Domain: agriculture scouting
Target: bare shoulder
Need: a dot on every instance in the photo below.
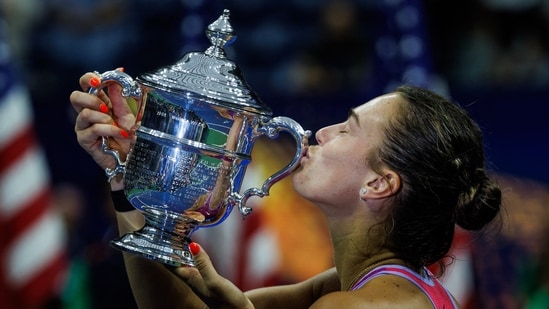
(383, 292)
(298, 295)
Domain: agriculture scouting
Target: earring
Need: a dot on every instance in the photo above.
(362, 192)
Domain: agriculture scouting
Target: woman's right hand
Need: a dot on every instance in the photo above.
(214, 290)
(103, 115)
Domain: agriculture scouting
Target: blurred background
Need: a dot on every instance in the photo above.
(310, 60)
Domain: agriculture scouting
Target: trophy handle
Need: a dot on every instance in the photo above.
(130, 88)
(271, 129)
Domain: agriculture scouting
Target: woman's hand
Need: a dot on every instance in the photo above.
(214, 290)
(102, 115)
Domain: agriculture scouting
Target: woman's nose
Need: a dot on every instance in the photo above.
(321, 135)
(317, 137)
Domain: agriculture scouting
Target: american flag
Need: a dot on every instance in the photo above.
(32, 240)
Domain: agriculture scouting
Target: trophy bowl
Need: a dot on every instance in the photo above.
(196, 123)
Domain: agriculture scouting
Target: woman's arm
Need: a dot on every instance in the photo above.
(153, 284)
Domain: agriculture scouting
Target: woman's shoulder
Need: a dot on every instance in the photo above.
(388, 291)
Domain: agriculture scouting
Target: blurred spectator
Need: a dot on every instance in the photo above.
(502, 44)
(85, 35)
(338, 60)
(21, 16)
(97, 277)
(535, 280)
(509, 266)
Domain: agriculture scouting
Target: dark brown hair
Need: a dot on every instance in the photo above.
(437, 150)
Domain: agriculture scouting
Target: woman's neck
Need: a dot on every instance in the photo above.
(355, 254)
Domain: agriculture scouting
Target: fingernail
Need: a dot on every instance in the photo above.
(124, 133)
(103, 108)
(195, 248)
(94, 82)
(121, 69)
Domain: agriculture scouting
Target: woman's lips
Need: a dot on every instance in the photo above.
(305, 155)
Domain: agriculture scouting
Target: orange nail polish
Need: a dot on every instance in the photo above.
(121, 69)
(195, 248)
(124, 133)
(103, 108)
(95, 82)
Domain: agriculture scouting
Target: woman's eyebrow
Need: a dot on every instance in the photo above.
(353, 115)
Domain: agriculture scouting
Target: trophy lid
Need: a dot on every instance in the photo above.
(210, 74)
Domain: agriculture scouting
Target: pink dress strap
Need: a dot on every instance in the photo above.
(428, 283)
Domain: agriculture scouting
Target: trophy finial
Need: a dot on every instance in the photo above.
(220, 33)
(210, 74)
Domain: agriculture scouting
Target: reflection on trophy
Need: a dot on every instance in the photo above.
(196, 124)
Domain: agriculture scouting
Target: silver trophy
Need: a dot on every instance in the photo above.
(196, 124)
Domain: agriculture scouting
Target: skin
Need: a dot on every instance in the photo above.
(331, 175)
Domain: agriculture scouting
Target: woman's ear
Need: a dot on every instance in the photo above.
(381, 186)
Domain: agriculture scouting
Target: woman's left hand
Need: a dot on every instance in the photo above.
(215, 290)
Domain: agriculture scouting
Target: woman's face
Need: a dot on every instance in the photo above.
(334, 171)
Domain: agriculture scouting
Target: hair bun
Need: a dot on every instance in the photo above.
(479, 205)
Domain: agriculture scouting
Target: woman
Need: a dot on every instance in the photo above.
(393, 180)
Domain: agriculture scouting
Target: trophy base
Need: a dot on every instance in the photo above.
(144, 243)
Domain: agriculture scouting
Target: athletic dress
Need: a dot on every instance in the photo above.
(429, 284)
